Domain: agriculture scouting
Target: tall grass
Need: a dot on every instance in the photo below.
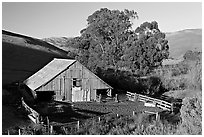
(187, 86)
(186, 75)
(191, 114)
(125, 125)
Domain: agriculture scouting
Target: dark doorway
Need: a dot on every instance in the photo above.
(43, 96)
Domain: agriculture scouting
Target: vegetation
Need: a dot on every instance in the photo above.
(185, 75)
(109, 47)
(191, 114)
(109, 41)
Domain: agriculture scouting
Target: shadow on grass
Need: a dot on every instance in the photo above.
(64, 113)
(91, 112)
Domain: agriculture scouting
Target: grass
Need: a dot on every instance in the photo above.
(125, 125)
(86, 110)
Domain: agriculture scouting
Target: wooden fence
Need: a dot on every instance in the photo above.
(33, 115)
(158, 103)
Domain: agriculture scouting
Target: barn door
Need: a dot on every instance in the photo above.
(77, 93)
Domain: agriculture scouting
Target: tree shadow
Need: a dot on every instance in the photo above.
(64, 113)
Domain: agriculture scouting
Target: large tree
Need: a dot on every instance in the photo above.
(146, 48)
(109, 41)
(106, 32)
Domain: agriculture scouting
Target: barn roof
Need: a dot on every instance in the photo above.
(48, 72)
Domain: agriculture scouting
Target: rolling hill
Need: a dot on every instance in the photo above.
(179, 42)
(182, 41)
(22, 56)
(63, 43)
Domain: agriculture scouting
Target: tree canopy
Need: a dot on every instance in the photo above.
(109, 41)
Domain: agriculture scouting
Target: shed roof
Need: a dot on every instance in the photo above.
(48, 72)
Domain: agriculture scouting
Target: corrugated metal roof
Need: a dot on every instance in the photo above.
(48, 72)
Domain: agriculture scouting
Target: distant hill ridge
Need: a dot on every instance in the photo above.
(184, 40)
(37, 42)
(179, 42)
(58, 41)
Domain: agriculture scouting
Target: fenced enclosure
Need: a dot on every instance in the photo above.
(132, 108)
(158, 103)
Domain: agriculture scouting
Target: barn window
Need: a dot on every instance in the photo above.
(76, 82)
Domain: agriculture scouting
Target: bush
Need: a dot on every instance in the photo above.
(191, 114)
(192, 55)
(152, 86)
(195, 75)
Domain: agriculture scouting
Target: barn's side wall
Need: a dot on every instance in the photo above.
(62, 84)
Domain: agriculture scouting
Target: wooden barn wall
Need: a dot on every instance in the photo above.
(62, 84)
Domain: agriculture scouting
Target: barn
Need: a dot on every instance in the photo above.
(68, 80)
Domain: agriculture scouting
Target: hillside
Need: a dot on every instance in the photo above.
(181, 41)
(63, 43)
(58, 41)
(22, 56)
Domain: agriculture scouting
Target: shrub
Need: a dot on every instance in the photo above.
(195, 75)
(152, 86)
(192, 55)
(191, 114)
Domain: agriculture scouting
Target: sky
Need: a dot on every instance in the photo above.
(66, 19)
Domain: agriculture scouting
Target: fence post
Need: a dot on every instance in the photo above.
(135, 97)
(99, 119)
(19, 131)
(157, 116)
(77, 125)
(36, 120)
(116, 115)
(116, 97)
(172, 108)
(133, 113)
(48, 125)
(100, 98)
(51, 129)
(8, 132)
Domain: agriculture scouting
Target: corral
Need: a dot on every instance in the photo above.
(68, 112)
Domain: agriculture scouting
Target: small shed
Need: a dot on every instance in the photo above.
(69, 80)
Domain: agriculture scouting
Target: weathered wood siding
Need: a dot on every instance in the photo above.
(62, 84)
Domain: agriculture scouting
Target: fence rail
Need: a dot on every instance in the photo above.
(34, 116)
(159, 103)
